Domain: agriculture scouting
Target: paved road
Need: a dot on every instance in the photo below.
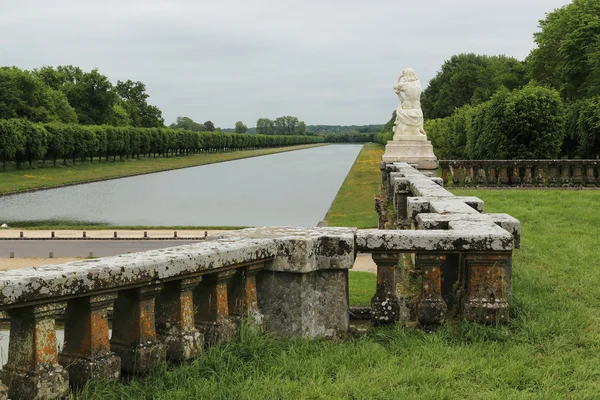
(82, 248)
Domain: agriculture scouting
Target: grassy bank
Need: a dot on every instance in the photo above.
(354, 204)
(15, 180)
(550, 350)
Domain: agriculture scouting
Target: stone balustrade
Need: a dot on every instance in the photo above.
(526, 173)
(169, 304)
(461, 256)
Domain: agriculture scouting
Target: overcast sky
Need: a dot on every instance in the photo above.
(324, 61)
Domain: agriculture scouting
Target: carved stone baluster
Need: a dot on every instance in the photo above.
(212, 308)
(86, 353)
(134, 332)
(577, 175)
(527, 177)
(552, 174)
(540, 175)
(492, 179)
(385, 304)
(468, 174)
(504, 175)
(485, 301)
(401, 194)
(481, 176)
(32, 371)
(456, 174)
(590, 179)
(250, 298)
(175, 320)
(515, 178)
(445, 172)
(432, 308)
(565, 174)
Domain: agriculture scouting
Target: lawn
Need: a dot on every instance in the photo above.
(15, 180)
(354, 204)
(550, 349)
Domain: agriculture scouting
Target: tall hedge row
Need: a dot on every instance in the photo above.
(24, 141)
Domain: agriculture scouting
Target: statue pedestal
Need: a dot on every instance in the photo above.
(419, 151)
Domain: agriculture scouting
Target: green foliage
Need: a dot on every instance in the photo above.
(240, 127)
(187, 124)
(209, 126)
(383, 138)
(134, 97)
(332, 129)
(281, 126)
(584, 120)
(568, 54)
(349, 136)
(470, 79)
(23, 95)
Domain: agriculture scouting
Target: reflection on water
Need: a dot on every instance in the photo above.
(294, 188)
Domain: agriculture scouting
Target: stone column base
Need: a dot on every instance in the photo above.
(45, 383)
(217, 333)
(183, 346)
(419, 152)
(82, 369)
(140, 359)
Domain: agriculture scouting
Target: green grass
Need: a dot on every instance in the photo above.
(59, 224)
(15, 180)
(550, 350)
(361, 286)
(353, 205)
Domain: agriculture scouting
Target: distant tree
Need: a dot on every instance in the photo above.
(568, 54)
(240, 127)
(264, 126)
(209, 126)
(134, 97)
(187, 124)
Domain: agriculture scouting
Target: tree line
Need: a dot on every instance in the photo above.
(546, 106)
(23, 141)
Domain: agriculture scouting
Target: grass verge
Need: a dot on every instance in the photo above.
(19, 180)
(550, 349)
(58, 224)
(361, 287)
(354, 204)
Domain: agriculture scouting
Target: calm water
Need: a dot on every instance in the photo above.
(294, 188)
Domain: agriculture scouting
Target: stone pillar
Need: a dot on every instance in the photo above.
(552, 174)
(456, 175)
(432, 308)
(175, 320)
(492, 179)
(32, 371)
(528, 177)
(468, 174)
(540, 175)
(577, 175)
(565, 174)
(445, 171)
(86, 353)
(134, 331)
(590, 180)
(250, 298)
(212, 308)
(504, 175)
(485, 302)
(385, 304)
(400, 198)
(481, 175)
(515, 178)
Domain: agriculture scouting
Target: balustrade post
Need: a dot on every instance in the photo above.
(468, 174)
(590, 180)
(481, 175)
(540, 175)
(527, 176)
(134, 332)
(175, 320)
(515, 178)
(552, 174)
(565, 174)
(250, 298)
(485, 296)
(385, 304)
(492, 179)
(456, 174)
(86, 353)
(432, 308)
(32, 371)
(504, 175)
(577, 175)
(212, 308)
(400, 202)
(445, 172)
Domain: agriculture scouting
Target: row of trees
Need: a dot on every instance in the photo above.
(281, 126)
(25, 141)
(70, 95)
(546, 106)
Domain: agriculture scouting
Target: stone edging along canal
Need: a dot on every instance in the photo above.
(63, 185)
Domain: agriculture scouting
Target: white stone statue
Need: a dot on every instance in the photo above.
(409, 116)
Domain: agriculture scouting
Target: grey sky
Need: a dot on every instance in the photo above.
(324, 61)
